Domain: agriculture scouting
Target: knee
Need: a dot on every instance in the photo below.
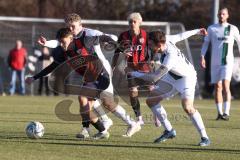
(218, 87)
(152, 102)
(133, 92)
(82, 101)
(190, 110)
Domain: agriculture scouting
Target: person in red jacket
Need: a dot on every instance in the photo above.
(17, 60)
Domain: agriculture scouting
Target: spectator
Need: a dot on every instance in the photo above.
(45, 59)
(17, 60)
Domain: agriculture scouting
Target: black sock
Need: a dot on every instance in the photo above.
(99, 126)
(135, 105)
(86, 124)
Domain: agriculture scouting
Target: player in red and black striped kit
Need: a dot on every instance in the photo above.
(134, 44)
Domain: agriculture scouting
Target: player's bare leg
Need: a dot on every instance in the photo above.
(226, 99)
(88, 117)
(158, 110)
(110, 104)
(218, 99)
(133, 94)
(196, 119)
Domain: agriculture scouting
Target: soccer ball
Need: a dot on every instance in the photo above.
(34, 130)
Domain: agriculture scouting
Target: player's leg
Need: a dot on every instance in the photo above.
(196, 120)
(154, 103)
(216, 79)
(218, 98)
(109, 103)
(88, 117)
(226, 98)
(156, 121)
(186, 86)
(134, 100)
(107, 122)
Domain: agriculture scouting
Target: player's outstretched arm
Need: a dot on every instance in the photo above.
(102, 58)
(42, 73)
(151, 77)
(42, 40)
(181, 36)
(50, 44)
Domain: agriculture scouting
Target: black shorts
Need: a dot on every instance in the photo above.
(103, 81)
(137, 82)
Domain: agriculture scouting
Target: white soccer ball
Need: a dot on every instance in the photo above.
(34, 130)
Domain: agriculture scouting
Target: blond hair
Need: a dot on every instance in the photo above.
(136, 16)
(73, 17)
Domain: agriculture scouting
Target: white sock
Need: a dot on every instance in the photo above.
(100, 111)
(160, 112)
(219, 108)
(120, 112)
(198, 123)
(226, 107)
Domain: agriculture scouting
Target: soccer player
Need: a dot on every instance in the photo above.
(136, 44)
(221, 36)
(177, 72)
(73, 22)
(93, 75)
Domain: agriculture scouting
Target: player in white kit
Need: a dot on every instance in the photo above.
(221, 36)
(179, 75)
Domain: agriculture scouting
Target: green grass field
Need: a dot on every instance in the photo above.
(59, 142)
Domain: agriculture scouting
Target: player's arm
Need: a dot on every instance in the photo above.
(181, 36)
(152, 77)
(94, 42)
(50, 43)
(93, 32)
(116, 53)
(237, 38)
(102, 58)
(205, 48)
(43, 72)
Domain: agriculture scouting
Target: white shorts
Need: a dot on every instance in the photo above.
(185, 86)
(219, 73)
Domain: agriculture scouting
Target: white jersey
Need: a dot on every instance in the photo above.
(222, 38)
(175, 61)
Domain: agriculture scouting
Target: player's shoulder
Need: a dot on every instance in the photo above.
(233, 27)
(92, 32)
(90, 41)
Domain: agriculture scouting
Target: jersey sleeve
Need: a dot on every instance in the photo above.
(58, 55)
(181, 36)
(102, 58)
(169, 61)
(206, 42)
(52, 44)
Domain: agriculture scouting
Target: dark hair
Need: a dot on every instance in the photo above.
(63, 33)
(157, 36)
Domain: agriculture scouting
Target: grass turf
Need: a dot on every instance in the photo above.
(59, 140)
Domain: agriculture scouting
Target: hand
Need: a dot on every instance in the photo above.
(203, 31)
(203, 62)
(42, 40)
(128, 54)
(29, 80)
